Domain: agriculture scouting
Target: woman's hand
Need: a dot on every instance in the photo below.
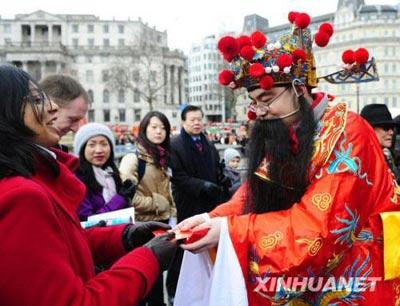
(210, 240)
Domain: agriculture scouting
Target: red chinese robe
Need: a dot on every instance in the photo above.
(335, 230)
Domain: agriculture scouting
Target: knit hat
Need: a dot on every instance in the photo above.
(91, 130)
(230, 154)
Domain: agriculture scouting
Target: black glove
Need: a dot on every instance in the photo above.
(127, 190)
(211, 190)
(135, 235)
(163, 249)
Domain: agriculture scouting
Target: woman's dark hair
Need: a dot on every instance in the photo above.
(19, 155)
(86, 173)
(147, 144)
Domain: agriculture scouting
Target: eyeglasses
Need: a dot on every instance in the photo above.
(264, 106)
(387, 128)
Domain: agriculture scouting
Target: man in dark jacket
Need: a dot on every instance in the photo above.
(196, 176)
(196, 172)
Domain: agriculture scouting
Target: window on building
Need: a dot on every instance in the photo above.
(121, 96)
(7, 42)
(105, 75)
(386, 84)
(121, 29)
(91, 96)
(153, 75)
(106, 28)
(386, 51)
(136, 96)
(75, 28)
(136, 75)
(91, 115)
(121, 42)
(136, 114)
(7, 28)
(394, 67)
(386, 101)
(90, 28)
(121, 113)
(394, 84)
(386, 68)
(89, 75)
(394, 102)
(106, 42)
(106, 96)
(75, 42)
(106, 115)
(91, 42)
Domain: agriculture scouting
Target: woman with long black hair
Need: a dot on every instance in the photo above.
(149, 169)
(46, 257)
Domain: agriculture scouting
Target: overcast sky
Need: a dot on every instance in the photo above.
(186, 21)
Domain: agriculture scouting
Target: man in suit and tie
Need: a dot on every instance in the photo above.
(196, 176)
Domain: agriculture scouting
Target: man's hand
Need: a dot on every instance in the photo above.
(209, 241)
(192, 222)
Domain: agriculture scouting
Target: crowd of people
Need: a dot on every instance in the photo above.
(320, 198)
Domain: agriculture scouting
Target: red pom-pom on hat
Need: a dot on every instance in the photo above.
(284, 60)
(292, 16)
(299, 54)
(251, 115)
(326, 28)
(348, 57)
(247, 52)
(225, 77)
(361, 56)
(266, 82)
(256, 70)
(229, 47)
(258, 39)
(302, 20)
(243, 40)
(321, 39)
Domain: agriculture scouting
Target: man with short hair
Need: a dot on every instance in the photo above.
(196, 175)
(72, 100)
(319, 206)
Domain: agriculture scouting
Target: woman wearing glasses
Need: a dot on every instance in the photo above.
(46, 257)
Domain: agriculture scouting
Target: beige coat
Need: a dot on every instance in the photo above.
(153, 200)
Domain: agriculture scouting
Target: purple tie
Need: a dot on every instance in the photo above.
(198, 144)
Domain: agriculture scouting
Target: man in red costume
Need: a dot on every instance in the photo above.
(318, 208)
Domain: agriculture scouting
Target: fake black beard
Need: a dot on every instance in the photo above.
(288, 170)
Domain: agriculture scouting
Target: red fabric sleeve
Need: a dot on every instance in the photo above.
(36, 261)
(106, 243)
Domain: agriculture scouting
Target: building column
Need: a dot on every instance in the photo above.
(25, 66)
(33, 33)
(50, 33)
(172, 85)
(42, 69)
(58, 67)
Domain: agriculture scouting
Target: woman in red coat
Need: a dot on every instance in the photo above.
(46, 257)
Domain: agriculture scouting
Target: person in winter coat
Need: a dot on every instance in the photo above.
(232, 161)
(197, 185)
(94, 143)
(46, 256)
(152, 200)
(148, 167)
